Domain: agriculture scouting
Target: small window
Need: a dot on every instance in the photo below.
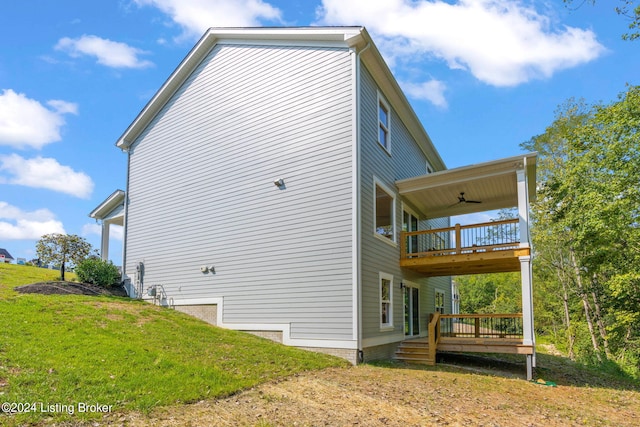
(384, 118)
(384, 213)
(386, 298)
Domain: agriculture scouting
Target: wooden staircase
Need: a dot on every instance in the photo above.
(415, 351)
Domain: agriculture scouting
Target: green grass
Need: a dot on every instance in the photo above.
(67, 349)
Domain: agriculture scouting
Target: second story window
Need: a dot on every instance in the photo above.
(384, 213)
(384, 118)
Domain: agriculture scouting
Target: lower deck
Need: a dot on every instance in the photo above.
(468, 333)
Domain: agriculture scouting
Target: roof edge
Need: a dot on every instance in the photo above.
(347, 35)
(108, 205)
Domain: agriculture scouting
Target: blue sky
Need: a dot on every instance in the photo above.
(482, 75)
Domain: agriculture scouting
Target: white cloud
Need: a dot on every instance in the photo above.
(41, 172)
(109, 53)
(432, 91)
(501, 42)
(16, 224)
(115, 231)
(91, 228)
(25, 122)
(196, 16)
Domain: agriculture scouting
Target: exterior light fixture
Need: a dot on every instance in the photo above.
(279, 183)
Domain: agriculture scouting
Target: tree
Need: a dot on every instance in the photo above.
(625, 8)
(63, 249)
(587, 223)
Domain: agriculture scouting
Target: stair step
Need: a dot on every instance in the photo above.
(420, 360)
(424, 350)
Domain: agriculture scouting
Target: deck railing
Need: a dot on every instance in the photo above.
(506, 326)
(461, 239)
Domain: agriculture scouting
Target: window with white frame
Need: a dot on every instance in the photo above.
(384, 123)
(386, 299)
(384, 212)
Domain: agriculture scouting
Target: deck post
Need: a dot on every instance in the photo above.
(458, 239)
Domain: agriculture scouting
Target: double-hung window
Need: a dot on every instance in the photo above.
(384, 124)
(386, 299)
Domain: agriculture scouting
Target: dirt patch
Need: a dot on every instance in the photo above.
(400, 396)
(69, 288)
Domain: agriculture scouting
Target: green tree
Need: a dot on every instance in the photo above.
(490, 293)
(63, 250)
(629, 9)
(587, 222)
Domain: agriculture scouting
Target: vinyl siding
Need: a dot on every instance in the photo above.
(201, 189)
(405, 160)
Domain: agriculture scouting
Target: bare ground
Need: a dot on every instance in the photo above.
(401, 395)
(69, 288)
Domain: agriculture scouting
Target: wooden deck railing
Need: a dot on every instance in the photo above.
(461, 239)
(505, 326)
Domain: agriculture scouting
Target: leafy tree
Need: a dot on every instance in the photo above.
(587, 224)
(490, 293)
(62, 249)
(630, 9)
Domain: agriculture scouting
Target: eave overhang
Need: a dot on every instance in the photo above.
(108, 205)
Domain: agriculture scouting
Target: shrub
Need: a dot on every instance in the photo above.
(98, 272)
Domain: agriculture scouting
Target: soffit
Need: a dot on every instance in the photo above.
(493, 183)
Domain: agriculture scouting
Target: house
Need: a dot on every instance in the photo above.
(278, 183)
(5, 256)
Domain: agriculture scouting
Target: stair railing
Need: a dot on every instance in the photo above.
(434, 335)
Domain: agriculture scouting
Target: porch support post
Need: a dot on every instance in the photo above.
(104, 243)
(523, 207)
(526, 273)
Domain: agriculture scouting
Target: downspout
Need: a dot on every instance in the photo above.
(357, 256)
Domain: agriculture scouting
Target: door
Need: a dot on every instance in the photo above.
(411, 311)
(410, 223)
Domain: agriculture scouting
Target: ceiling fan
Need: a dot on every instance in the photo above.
(461, 199)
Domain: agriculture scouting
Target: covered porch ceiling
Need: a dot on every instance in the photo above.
(494, 184)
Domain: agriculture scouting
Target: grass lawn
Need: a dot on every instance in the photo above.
(70, 350)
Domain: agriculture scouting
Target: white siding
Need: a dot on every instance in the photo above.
(201, 189)
(405, 160)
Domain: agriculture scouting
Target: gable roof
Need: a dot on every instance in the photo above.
(351, 37)
(6, 254)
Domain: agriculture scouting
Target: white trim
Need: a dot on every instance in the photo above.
(428, 168)
(394, 225)
(384, 339)
(384, 327)
(285, 328)
(281, 43)
(408, 284)
(404, 206)
(356, 225)
(387, 126)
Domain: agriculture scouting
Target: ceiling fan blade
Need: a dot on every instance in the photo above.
(472, 201)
